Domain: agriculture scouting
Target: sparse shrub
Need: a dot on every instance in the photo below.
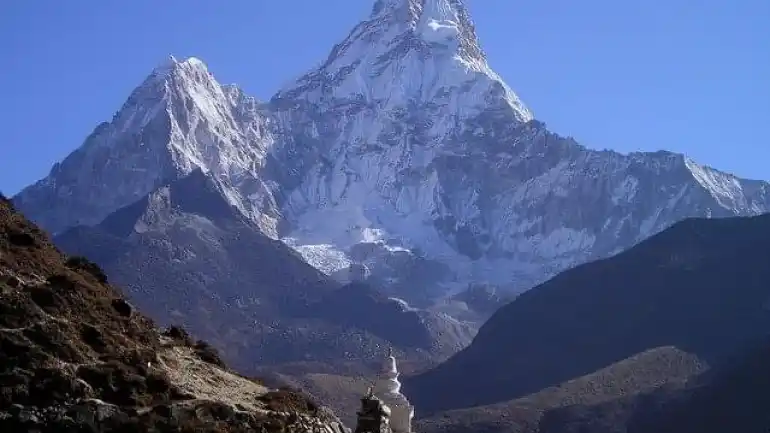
(122, 307)
(179, 334)
(208, 353)
(43, 296)
(51, 385)
(158, 383)
(13, 281)
(61, 282)
(137, 359)
(93, 337)
(289, 400)
(82, 263)
(21, 239)
(220, 411)
(53, 340)
(114, 382)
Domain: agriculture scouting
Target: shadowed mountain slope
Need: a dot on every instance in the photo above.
(700, 286)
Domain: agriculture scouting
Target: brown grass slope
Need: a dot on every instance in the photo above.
(340, 393)
(733, 397)
(645, 372)
(730, 397)
(76, 357)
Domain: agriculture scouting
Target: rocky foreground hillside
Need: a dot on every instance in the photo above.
(76, 357)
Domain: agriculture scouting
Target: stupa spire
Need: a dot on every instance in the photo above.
(388, 389)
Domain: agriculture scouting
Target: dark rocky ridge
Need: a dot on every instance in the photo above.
(700, 286)
(359, 305)
(76, 357)
(187, 257)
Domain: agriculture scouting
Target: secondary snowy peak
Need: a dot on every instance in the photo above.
(172, 87)
(732, 194)
(177, 120)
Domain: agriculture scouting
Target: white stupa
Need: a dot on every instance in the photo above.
(388, 389)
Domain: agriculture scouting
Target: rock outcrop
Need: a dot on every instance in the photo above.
(374, 416)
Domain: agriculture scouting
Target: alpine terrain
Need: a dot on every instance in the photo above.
(403, 152)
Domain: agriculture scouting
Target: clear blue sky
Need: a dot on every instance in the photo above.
(684, 75)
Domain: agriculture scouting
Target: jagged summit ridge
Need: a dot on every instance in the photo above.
(408, 53)
(173, 65)
(436, 21)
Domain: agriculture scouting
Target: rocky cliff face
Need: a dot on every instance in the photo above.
(403, 151)
(75, 356)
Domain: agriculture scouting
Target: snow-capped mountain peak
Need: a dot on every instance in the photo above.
(172, 65)
(409, 52)
(403, 153)
(444, 23)
(409, 141)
